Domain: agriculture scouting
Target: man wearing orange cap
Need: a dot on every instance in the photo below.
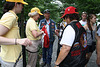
(9, 35)
(98, 45)
(73, 44)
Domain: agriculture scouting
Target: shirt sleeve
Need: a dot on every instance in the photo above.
(68, 36)
(33, 26)
(8, 21)
(55, 27)
(98, 31)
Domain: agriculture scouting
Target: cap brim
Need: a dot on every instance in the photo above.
(63, 15)
(24, 3)
(76, 12)
(40, 13)
(70, 13)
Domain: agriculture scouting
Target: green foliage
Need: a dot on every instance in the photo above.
(90, 6)
(42, 5)
(1, 8)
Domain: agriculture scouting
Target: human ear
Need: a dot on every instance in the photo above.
(15, 4)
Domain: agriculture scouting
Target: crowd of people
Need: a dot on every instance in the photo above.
(77, 40)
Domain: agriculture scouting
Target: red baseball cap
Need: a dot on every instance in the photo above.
(70, 10)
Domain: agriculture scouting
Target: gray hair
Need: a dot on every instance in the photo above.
(32, 14)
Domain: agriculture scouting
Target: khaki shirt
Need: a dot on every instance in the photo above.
(31, 25)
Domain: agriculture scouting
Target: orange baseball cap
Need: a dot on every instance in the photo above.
(35, 9)
(20, 1)
(70, 10)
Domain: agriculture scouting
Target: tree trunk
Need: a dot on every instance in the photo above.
(22, 27)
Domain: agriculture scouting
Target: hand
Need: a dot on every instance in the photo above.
(45, 26)
(41, 31)
(88, 55)
(57, 32)
(56, 65)
(98, 61)
(24, 41)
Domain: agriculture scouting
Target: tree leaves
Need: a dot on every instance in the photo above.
(90, 6)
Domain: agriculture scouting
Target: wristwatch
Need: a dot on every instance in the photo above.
(57, 65)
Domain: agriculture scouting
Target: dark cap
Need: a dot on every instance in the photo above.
(47, 11)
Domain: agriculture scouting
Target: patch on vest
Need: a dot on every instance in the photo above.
(42, 24)
(75, 53)
(78, 25)
(52, 23)
(83, 40)
(52, 27)
(76, 44)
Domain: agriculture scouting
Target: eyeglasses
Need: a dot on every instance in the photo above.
(84, 15)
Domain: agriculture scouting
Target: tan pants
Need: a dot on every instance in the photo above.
(32, 59)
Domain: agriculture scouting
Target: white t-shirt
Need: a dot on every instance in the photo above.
(83, 22)
(68, 36)
(98, 32)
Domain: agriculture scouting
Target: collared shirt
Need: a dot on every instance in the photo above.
(47, 25)
(30, 26)
(10, 53)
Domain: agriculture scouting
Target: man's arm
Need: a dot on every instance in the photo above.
(7, 41)
(57, 32)
(63, 53)
(66, 42)
(98, 50)
(36, 34)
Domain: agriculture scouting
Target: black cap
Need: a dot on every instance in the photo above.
(47, 11)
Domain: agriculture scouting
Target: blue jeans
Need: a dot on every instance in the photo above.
(47, 53)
